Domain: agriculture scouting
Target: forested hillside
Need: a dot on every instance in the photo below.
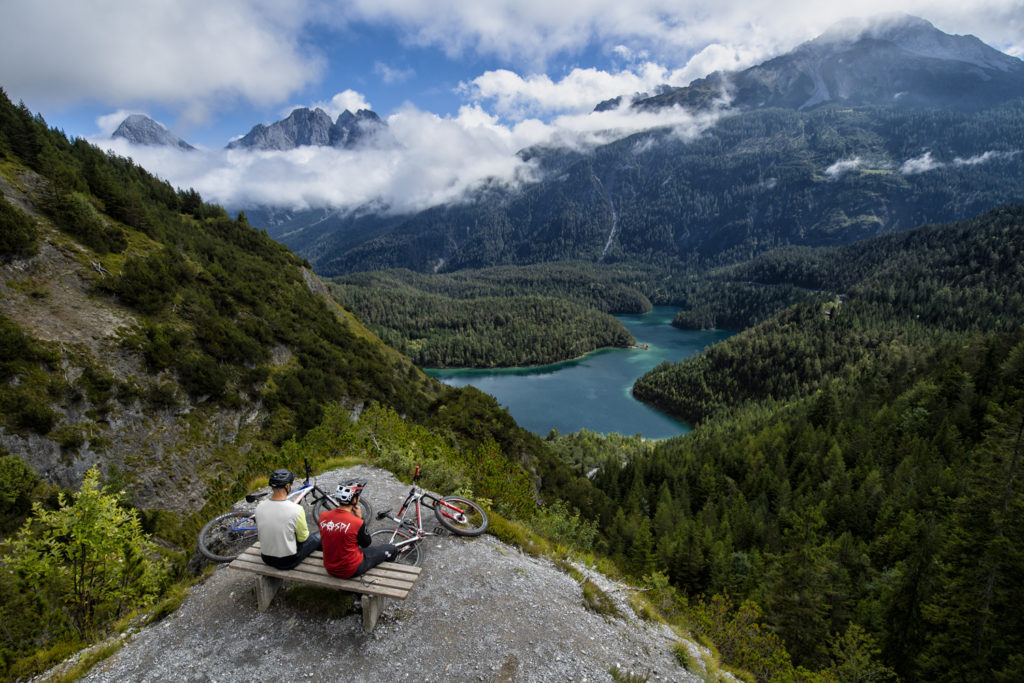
(752, 182)
(158, 357)
(900, 289)
(859, 459)
(500, 317)
(127, 303)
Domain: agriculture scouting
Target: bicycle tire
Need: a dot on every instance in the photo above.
(473, 521)
(221, 539)
(324, 504)
(410, 556)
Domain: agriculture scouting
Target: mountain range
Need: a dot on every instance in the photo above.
(895, 59)
(302, 127)
(868, 129)
(873, 126)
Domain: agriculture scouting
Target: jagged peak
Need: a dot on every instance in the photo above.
(140, 129)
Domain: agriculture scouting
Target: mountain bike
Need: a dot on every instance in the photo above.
(224, 537)
(455, 514)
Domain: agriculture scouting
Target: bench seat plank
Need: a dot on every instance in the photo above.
(386, 580)
(370, 585)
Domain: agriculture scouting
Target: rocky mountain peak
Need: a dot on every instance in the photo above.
(891, 59)
(142, 130)
(314, 127)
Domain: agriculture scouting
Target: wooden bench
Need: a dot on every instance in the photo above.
(386, 580)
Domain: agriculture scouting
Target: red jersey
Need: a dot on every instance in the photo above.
(342, 534)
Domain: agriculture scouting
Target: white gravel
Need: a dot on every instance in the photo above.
(481, 611)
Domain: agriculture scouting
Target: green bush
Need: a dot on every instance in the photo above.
(75, 214)
(556, 522)
(16, 498)
(89, 559)
(147, 283)
(18, 233)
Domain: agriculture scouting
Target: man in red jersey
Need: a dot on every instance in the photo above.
(346, 543)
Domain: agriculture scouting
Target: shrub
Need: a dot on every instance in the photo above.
(75, 214)
(15, 499)
(89, 558)
(18, 233)
(556, 522)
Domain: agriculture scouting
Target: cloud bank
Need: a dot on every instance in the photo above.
(199, 56)
(437, 160)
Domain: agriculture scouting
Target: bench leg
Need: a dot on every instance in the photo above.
(266, 589)
(372, 606)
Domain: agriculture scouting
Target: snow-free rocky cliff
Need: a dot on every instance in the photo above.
(314, 127)
(481, 611)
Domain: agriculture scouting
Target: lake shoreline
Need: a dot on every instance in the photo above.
(593, 391)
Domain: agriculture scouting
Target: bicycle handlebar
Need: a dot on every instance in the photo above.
(416, 474)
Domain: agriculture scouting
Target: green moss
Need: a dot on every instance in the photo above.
(596, 600)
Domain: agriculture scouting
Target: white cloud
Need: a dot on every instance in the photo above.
(672, 30)
(982, 158)
(436, 160)
(836, 170)
(518, 97)
(192, 53)
(390, 75)
(925, 162)
(921, 164)
(347, 99)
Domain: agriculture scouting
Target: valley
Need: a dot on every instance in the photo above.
(593, 392)
(829, 491)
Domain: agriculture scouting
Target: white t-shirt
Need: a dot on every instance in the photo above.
(280, 524)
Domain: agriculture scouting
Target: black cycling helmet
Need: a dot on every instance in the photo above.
(281, 478)
(348, 491)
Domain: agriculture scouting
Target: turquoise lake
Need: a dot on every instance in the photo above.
(593, 392)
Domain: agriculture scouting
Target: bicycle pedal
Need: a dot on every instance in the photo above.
(384, 514)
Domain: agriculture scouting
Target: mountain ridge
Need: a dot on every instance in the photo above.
(314, 127)
(899, 59)
(815, 150)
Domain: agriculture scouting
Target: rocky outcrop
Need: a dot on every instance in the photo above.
(142, 130)
(314, 127)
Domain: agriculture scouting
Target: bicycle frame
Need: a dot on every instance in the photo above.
(413, 501)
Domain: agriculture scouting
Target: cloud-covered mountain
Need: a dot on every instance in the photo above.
(854, 134)
(139, 129)
(888, 60)
(315, 127)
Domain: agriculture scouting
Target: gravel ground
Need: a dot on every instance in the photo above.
(481, 611)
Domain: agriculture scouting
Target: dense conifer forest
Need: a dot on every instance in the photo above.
(859, 461)
(848, 507)
(503, 317)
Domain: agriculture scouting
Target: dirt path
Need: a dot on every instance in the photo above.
(481, 611)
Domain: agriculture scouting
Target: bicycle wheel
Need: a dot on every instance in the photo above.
(324, 504)
(408, 554)
(225, 537)
(461, 516)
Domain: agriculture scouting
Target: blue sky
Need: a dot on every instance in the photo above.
(463, 84)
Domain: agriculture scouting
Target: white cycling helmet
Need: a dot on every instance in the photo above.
(348, 491)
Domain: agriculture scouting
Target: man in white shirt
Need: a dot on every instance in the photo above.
(284, 536)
